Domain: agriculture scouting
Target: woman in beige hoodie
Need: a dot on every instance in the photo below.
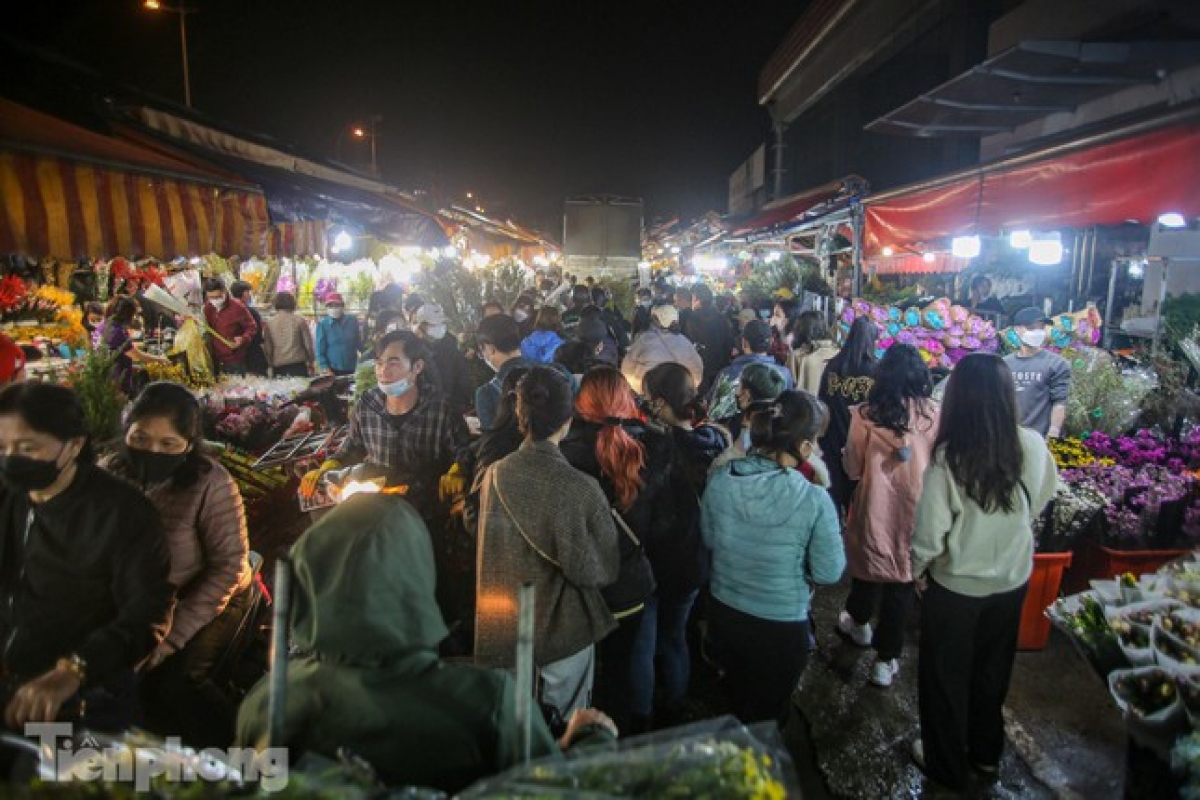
(972, 555)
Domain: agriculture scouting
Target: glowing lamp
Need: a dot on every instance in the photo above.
(1046, 250)
(965, 246)
(1020, 240)
(1172, 219)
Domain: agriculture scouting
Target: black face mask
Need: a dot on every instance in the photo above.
(29, 474)
(151, 467)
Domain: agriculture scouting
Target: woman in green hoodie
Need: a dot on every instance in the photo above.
(370, 679)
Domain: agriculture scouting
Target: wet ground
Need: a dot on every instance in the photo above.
(850, 739)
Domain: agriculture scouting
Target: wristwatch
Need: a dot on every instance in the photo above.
(74, 664)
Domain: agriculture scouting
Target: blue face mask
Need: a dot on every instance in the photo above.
(396, 388)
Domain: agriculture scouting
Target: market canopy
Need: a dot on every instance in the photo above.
(302, 190)
(793, 211)
(1032, 80)
(69, 192)
(1108, 180)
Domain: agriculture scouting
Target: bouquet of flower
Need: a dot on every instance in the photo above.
(942, 332)
(717, 758)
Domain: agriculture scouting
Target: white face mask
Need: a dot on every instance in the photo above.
(336, 313)
(218, 303)
(396, 388)
(520, 315)
(435, 332)
(1033, 337)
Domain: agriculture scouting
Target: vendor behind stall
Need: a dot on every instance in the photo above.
(405, 430)
(233, 327)
(1042, 378)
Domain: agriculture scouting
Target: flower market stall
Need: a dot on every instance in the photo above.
(1141, 634)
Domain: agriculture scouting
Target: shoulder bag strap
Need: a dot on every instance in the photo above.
(521, 530)
(624, 526)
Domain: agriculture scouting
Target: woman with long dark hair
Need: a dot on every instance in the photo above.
(846, 382)
(812, 349)
(118, 336)
(205, 526)
(609, 442)
(568, 549)
(674, 546)
(891, 439)
(772, 534)
(972, 555)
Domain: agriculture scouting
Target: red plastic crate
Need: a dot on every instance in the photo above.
(1043, 591)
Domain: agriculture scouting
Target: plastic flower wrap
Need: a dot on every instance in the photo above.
(894, 314)
(906, 337)
(912, 318)
(715, 758)
(959, 315)
(1103, 397)
(934, 319)
(971, 343)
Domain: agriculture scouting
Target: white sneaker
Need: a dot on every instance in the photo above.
(858, 634)
(884, 672)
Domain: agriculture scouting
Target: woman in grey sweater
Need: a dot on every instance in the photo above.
(972, 555)
(542, 520)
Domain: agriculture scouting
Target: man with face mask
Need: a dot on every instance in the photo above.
(1042, 378)
(234, 326)
(499, 341)
(338, 338)
(452, 368)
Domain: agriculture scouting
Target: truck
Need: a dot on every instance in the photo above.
(602, 237)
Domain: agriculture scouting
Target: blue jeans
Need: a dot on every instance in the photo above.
(625, 678)
(667, 620)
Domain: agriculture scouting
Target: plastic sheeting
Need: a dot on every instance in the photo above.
(1132, 179)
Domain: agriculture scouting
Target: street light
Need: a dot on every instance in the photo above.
(360, 132)
(182, 10)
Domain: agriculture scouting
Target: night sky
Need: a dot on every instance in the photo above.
(523, 103)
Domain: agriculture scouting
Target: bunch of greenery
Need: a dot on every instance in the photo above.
(1180, 316)
(458, 290)
(1102, 398)
(503, 282)
(91, 378)
(786, 273)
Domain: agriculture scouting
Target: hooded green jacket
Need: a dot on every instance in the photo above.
(364, 612)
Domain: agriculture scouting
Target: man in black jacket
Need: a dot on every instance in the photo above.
(709, 330)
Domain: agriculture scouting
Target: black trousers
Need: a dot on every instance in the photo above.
(968, 645)
(180, 698)
(893, 601)
(761, 660)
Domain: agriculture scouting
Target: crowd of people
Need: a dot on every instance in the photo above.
(673, 484)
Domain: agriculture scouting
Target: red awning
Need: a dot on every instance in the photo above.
(1135, 178)
(68, 192)
(790, 209)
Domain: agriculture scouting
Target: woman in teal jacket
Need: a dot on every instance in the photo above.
(772, 534)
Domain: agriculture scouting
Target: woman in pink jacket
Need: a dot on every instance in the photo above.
(888, 447)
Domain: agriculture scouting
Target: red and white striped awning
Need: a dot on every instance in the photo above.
(69, 192)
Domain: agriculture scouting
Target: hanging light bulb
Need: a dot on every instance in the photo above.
(1172, 219)
(929, 258)
(1046, 249)
(887, 251)
(1019, 240)
(965, 246)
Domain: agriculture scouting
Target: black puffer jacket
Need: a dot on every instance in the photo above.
(635, 584)
(676, 550)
